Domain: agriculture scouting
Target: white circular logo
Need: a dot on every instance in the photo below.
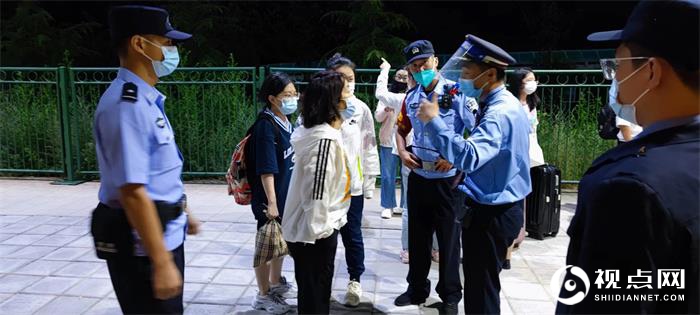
(570, 285)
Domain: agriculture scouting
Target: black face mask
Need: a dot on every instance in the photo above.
(398, 87)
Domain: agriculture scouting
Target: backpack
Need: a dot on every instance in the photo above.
(238, 176)
(607, 128)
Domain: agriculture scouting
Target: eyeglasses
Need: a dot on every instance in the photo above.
(609, 65)
(290, 95)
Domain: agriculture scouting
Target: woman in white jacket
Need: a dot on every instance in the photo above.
(319, 194)
(360, 144)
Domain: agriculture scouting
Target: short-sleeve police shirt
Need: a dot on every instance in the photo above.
(135, 144)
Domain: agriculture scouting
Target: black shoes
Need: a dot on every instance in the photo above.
(405, 300)
(506, 264)
(449, 308)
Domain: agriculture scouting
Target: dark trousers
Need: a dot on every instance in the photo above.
(351, 234)
(132, 281)
(313, 271)
(434, 205)
(487, 233)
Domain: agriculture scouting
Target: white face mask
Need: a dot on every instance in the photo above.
(351, 87)
(530, 87)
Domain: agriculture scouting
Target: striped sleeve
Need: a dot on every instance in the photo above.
(324, 147)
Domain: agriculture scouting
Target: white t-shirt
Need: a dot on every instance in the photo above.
(535, 151)
(531, 117)
(636, 129)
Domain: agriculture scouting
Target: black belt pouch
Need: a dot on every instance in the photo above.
(112, 233)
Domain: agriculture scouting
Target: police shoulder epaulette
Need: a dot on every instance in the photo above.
(129, 92)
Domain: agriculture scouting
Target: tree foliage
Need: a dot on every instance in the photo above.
(33, 37)
(371, 33)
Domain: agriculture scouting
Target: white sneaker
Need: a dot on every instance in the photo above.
(398, 210)
(352, 297)
(386, 214)
(284, 289)
(270, 303)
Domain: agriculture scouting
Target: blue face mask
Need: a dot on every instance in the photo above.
(424, 77)
(627, 112)
(349, 111)
(612, 98)
(288, 106)
(466, 86)
(171, 59)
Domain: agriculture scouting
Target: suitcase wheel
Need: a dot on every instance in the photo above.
(537, 236)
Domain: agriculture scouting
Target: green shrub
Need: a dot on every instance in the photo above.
(30, 134)
(211, 109)
(569, 138)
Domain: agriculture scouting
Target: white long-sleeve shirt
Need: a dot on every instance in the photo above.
(319, 190)
(391, 100)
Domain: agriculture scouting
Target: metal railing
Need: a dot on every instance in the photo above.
(30, 127)
(46, 116)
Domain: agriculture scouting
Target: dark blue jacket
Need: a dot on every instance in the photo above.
(638, 209)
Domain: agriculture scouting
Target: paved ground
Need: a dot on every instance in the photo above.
(47, 264)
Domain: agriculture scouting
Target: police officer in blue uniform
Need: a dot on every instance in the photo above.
(496, 162)
(639, 203)
(434, 201)
(140, 223)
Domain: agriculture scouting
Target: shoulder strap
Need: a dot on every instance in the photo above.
(262, 116)
(130, 92)
(274, 124)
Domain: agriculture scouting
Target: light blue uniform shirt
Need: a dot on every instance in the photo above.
(457, 119)
(495, 157)
(135, 144)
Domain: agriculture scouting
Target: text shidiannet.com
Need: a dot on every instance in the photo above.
(639, 297)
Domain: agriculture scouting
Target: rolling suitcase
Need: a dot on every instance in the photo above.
(543, 205)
